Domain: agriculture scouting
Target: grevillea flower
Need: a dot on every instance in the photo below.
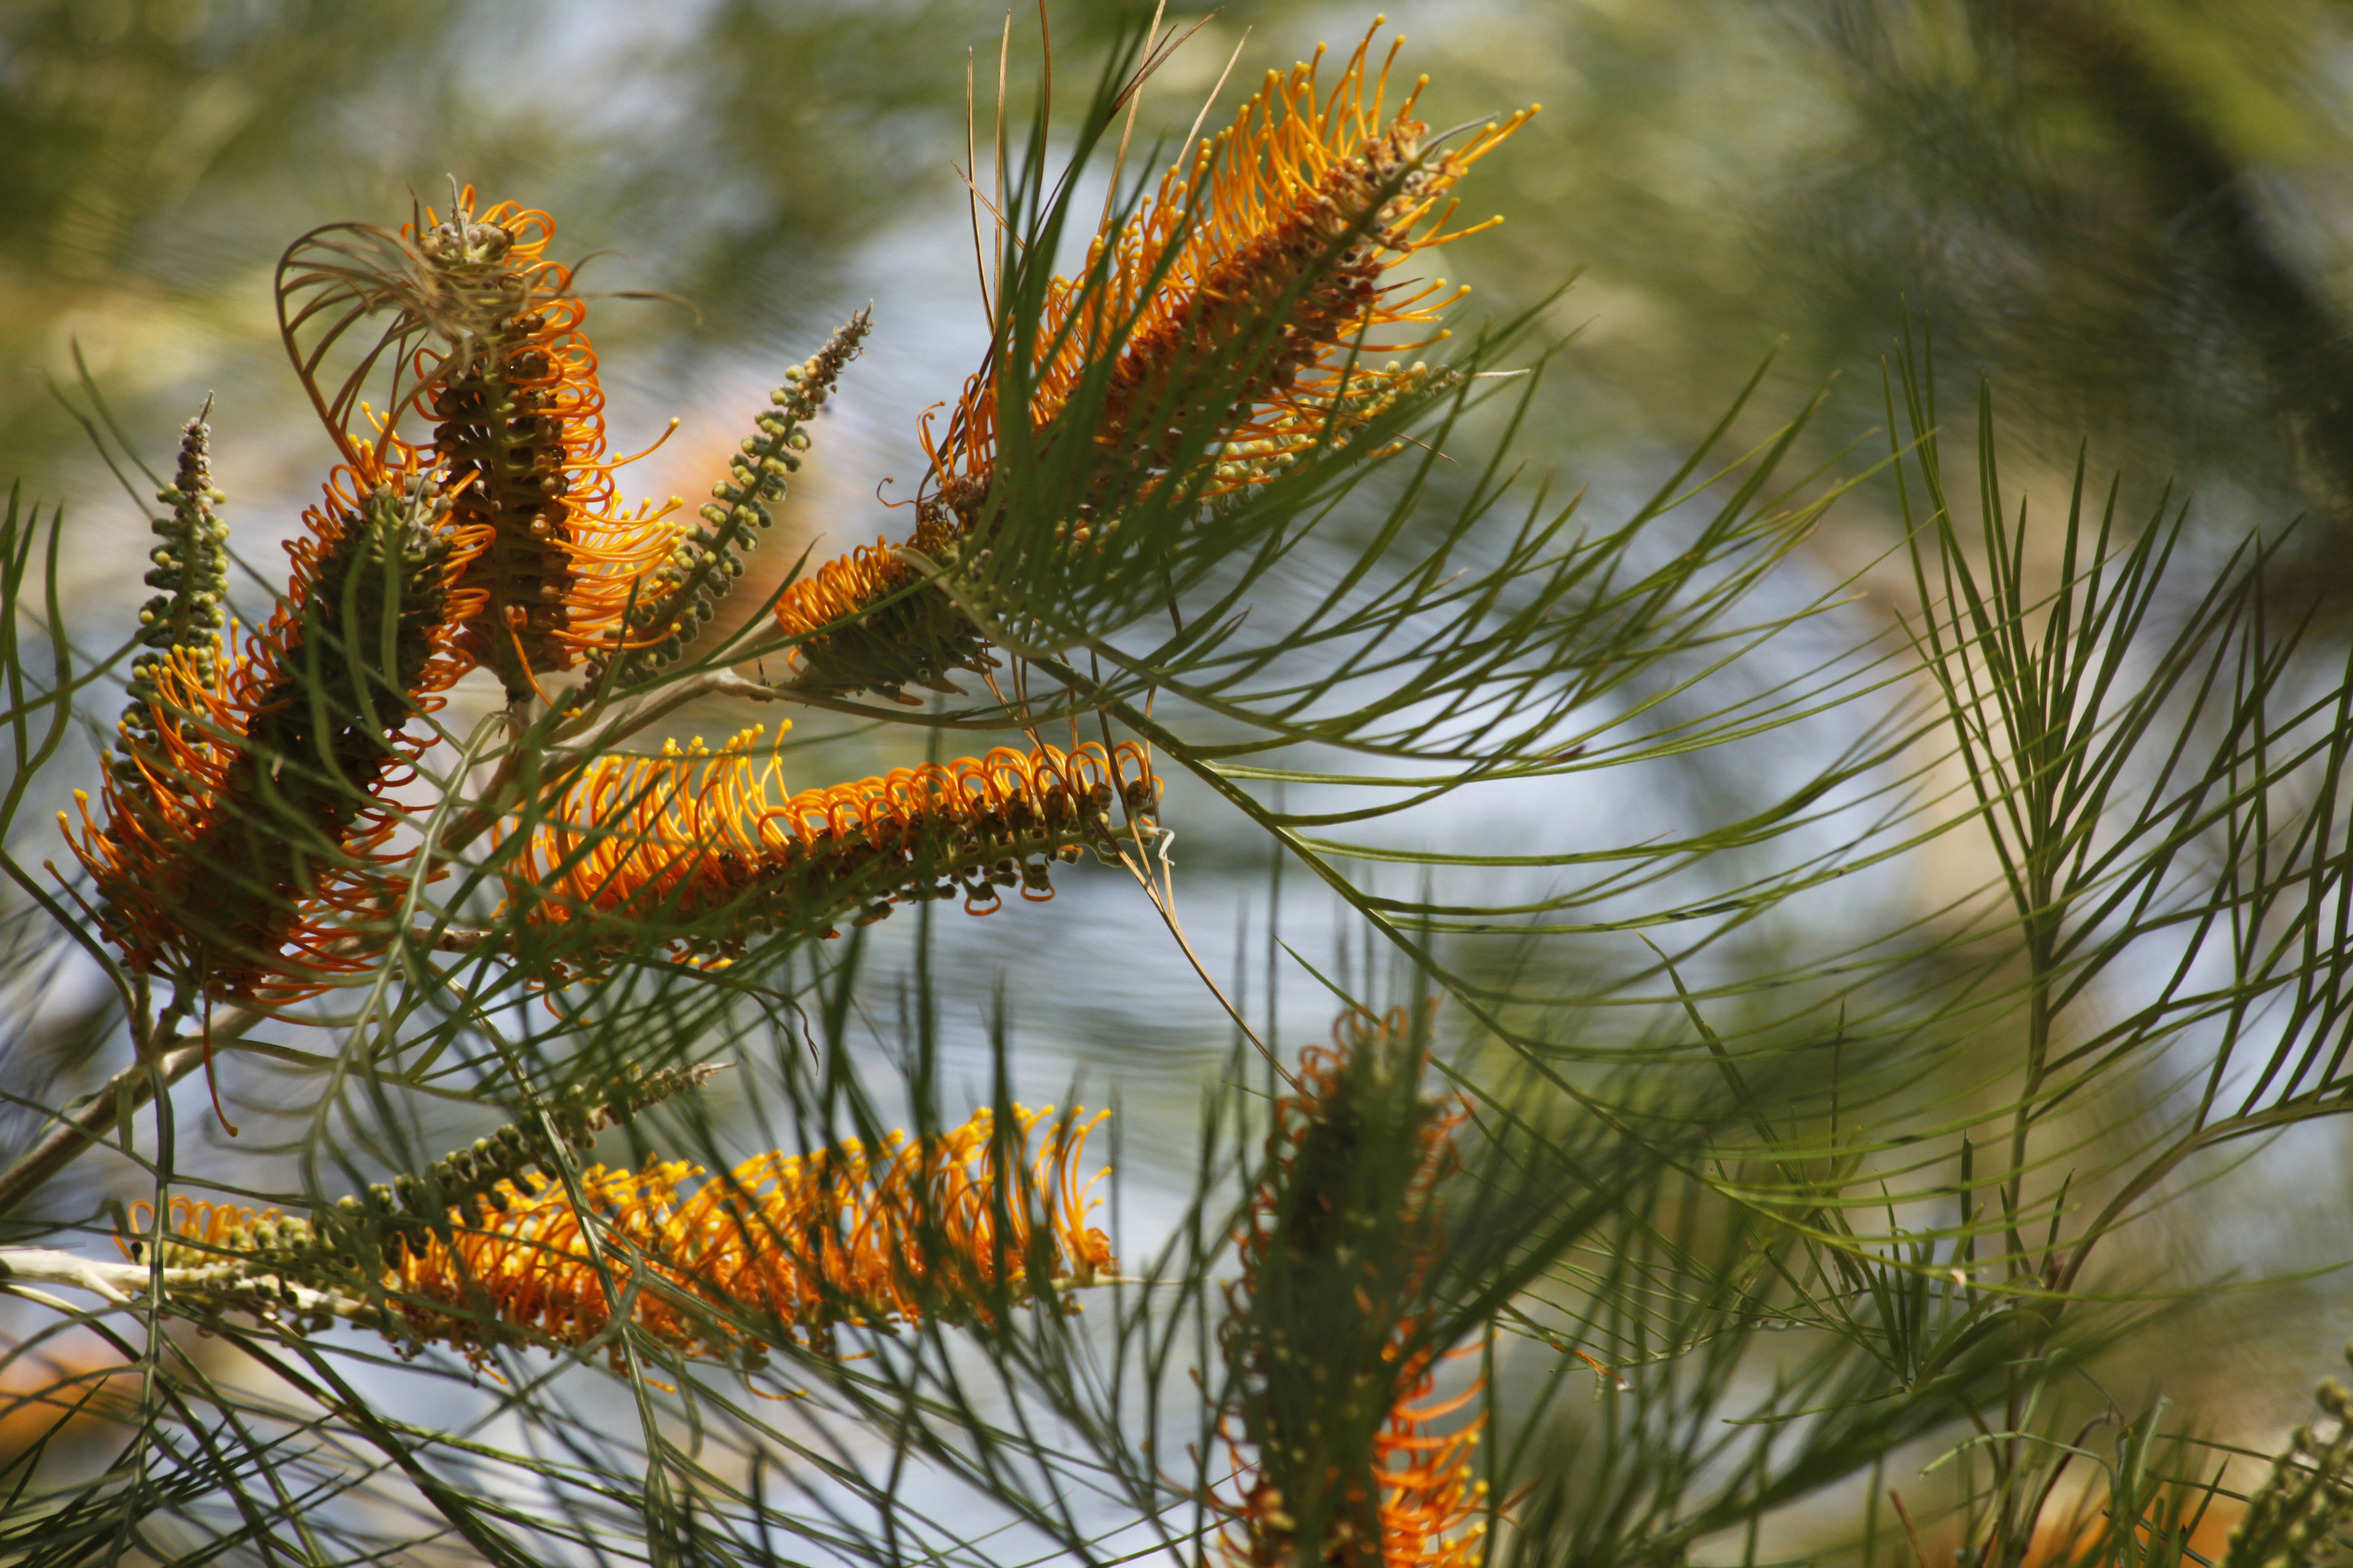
(487, 331)
(246, 824)
(393, 1218)
(1323, 1332)
(711, 846)
(1224, 319)
(868, 621)
(1250, 281)
(518, 417)
(949, 1226)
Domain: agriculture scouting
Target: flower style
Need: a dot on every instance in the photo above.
(658, 846)
(1237, 300)
(784, 1249)
(1322, 1333)
(246, 819)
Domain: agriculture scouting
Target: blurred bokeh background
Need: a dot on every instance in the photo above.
(2134, 215)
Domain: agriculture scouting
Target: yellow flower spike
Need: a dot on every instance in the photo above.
(1264, 254)
(811, 1242)
(713, 847)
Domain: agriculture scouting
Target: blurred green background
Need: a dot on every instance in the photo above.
(2132, 211)
(2133, 215)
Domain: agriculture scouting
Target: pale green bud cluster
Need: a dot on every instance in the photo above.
(401, 1210)
(2303, 1513)
(191, 571)
(350, 1242)
(684, 592)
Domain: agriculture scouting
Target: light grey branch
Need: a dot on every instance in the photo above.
(226, 1285)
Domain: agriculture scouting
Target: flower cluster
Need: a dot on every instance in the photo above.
(869, 621)
(1340, 1439)
(249, 844)
(1212, 339)
(391, 1220)
(659, 844)
(191, 567)
(246, 848)
(246, 824)
(1237, 300)
(946, 1226)
(684, 593)
(785, 1249)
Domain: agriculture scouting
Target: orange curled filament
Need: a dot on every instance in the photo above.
(949, 1225)
(705, 850)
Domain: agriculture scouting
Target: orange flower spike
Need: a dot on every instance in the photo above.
(835, 1237)
(518, 418)
(249, 825)
(691, 837)
(1320, 1321)
(868, 622)
(1253, 275)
